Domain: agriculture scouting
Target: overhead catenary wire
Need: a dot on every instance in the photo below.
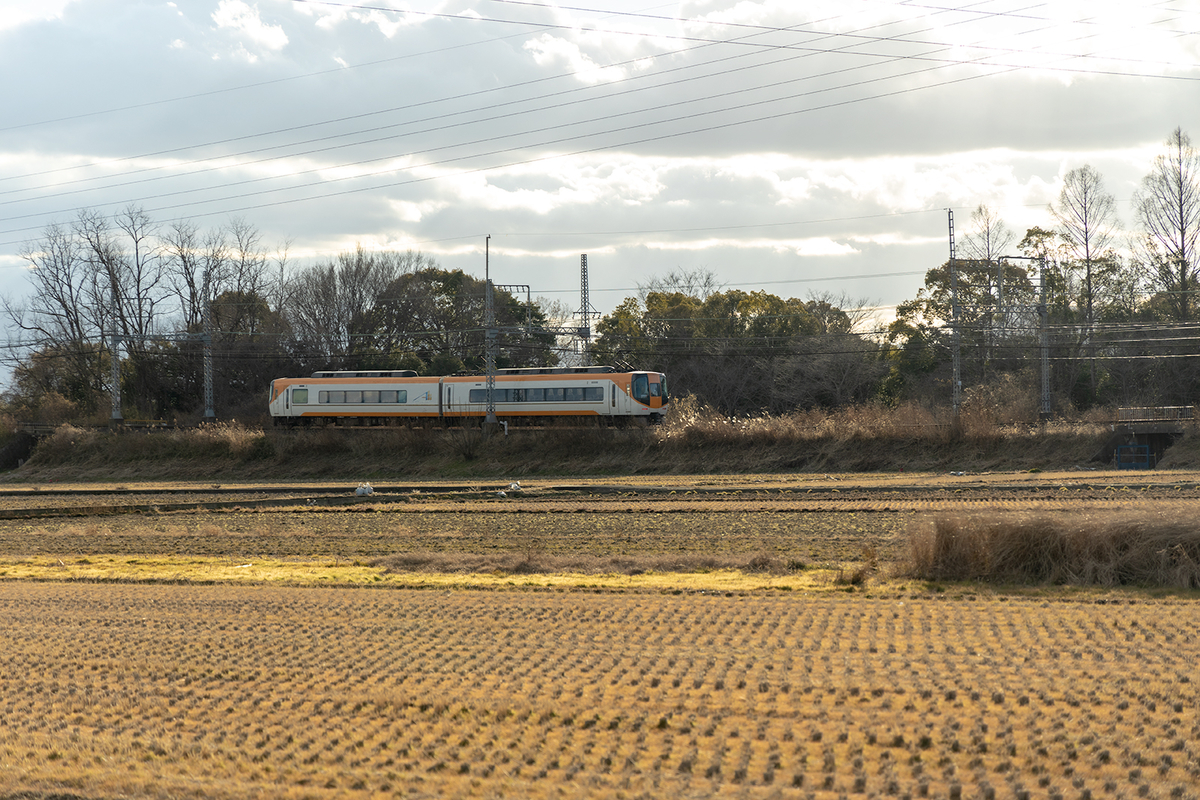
(758, 31)
(501, 166)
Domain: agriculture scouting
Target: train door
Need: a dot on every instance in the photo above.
(624, 405)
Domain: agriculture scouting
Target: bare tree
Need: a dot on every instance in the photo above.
(699, 283)
(1168, 211)
(560, 314)
(328, 304)
(246, 276)
(126, 255)
(58, 321)
(194, 260)
(987, 241)
(988, 238)
(1087, 217)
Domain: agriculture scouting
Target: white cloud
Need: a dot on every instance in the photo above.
(859, 187)
(816, 246)
(14, 13)
(238, 16)
(555, 52)
(408, 211)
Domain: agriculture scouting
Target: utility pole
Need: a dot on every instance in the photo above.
(489, 356)
(955, 341)
(1044, 411)
(210, 414)
(586, 315)
(115, 359)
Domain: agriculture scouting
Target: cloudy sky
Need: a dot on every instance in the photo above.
(793, 147)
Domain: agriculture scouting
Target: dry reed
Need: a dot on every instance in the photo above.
(694, 439)
(1117, 549)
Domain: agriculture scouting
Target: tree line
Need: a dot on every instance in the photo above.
(161, 292)
(1118, 310)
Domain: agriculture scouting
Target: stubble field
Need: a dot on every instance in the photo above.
(505, 683)
(235, 691)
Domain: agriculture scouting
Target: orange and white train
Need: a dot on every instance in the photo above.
(534, 395)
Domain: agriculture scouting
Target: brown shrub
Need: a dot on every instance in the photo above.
(1122, 548)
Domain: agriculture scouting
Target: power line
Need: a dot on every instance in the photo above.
(707, 98)
(559, 141)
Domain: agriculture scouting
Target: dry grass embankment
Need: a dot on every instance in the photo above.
(694, 440)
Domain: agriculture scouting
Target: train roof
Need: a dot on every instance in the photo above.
(553, 370)
(395, 373)
(408, 373)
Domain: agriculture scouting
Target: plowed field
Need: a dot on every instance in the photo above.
(229, 691)
(170, 691)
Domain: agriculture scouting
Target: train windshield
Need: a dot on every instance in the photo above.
(663, 381)
(641, 388)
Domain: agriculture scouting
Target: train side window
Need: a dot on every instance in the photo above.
(535, 395)
(337, 397)
(499, 395)
(573, 394)
(401, 396)
(554, 395)
(593, 394)
(300, 396)
(370, 396)
(516, 395)
(387, 396)
(354, 396)
(614, 396)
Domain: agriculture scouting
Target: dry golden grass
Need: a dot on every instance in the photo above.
(223, 692)
(427, 570)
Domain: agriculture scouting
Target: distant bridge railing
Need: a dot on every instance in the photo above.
(1157, 414)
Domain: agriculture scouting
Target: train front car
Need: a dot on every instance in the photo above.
(649, 393)
(539, 395)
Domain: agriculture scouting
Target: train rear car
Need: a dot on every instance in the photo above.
(354, 398)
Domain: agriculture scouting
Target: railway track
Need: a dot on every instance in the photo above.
(539, 497)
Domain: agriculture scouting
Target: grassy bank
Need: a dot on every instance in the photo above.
(693, 441)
